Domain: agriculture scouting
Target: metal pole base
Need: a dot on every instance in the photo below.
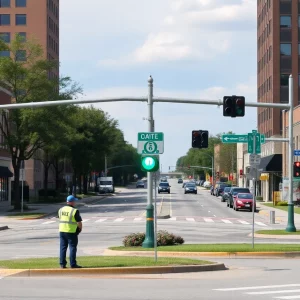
(149, 239)
(291, 224)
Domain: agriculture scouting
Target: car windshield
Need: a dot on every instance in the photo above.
(140, 182)
(223, 186)
(227, 189)
(236, 191)
(190, 185)
(245, 196)
(164, 184)
(105, 183)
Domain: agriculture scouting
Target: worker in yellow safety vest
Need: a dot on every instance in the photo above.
(70, 225)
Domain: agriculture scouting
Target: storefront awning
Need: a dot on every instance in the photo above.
(5, 172)
(271, 163)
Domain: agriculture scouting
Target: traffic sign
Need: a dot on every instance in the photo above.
(262, 138)
(234, 138)
(150, 143)
(297, 152)
(254, 159)
(251, 136)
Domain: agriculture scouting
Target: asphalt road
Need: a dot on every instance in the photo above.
(200, 218)
(262, 279)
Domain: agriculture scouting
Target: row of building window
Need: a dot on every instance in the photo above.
(53, 26)
(264, 115)
(20, 19)
(20, 54)
(265, 59)
(264, 10)
(265, 87)
(6, 36)
(53, 8)
(18, 3)
(52, 44)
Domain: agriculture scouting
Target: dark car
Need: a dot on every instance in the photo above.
(140, 184)
(220, 188)
(244, 201)
(183, 184)
(190, 188)
(224, 194)
(233, 193)
(164, 187)
(180, 180)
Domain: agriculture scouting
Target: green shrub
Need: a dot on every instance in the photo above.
(259, 198)
(164, 238)
(282, 203)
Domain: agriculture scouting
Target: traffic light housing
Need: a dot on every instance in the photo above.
(200, 139)
(241, 173)
(233, 106)
(297, 169)
(149, 163)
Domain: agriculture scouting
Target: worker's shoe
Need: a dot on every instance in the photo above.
(76, 267)
(63, 267)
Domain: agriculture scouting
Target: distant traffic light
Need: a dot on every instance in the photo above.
(241, 173)
(149, 163)
(200, 139)
(297, 169)
(233, 106)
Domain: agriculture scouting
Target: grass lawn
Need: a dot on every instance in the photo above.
(26, 215)
(218, 248)
(100, 262)
(277, 232)
(285, 208)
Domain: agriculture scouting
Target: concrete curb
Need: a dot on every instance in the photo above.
(123, 270)
(272, 236)
(3, 228)
(202, 254)
(165, 215)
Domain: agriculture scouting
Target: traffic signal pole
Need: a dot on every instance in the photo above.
(149, 238)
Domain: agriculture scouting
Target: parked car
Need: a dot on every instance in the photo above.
(224, 194)
(183, 184)
(164, 179)
(244, 201)
(190, 187)
(207, 184)
(220, 188)
(180, 180)
(140, 184)
(233, 193)
(164, 187)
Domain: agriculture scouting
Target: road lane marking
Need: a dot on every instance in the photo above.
(48, 222)
(243, 222)
(273, 292)
(172, 219)
(190, 219)
(214, 215)
(85, 220)
(100, 220)
(288, 297)
(208, 220)
(226, 221)
(260, 223)
(170, 205)
(119, 219)
(137, 219)
(257, 287)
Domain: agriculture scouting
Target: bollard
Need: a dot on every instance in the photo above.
(272, 217)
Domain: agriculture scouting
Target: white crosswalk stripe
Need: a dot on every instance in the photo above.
(85, 220)
(173, 219)
(100, 220)
(119, 219)
(272, 291)
(48, 222)
(207, 220)
(190, 219)
(243, 222)
(137, 219)
(226, 221)
(260, 223)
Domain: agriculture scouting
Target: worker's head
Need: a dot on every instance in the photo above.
(71, 200)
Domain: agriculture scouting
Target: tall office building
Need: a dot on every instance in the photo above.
(38, 19)
(277, 57)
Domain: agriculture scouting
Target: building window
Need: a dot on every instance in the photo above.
(286, 49)
(21, 3)
(5, 37)
(23, 36)
(4, 53)
(4, 3)
(299, 79)
(285, 21)
(21, 55)
(21, 19)
(4, 19)
(284, 79)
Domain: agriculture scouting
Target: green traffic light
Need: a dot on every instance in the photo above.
(150, 163)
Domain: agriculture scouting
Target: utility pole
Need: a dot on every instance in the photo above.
(149, 238)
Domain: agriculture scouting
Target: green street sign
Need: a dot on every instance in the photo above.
(149, 163)
(150, 143)
(251, 136)
(234, 138)
(262, 138)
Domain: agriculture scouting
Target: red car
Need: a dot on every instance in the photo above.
(243, 201)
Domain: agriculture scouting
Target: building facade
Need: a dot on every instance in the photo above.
(37, 20)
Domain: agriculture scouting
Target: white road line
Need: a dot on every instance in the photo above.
(85, 220)
(119, 219)
(257, 287)
(214, 215)
(243, 222)
(260, 223)
(100, 220)
(288, 297)
(48, 222)
(273, 292)
(190, 219)
(137, 219)
(172, 219)
(226, 221)
(208, 220)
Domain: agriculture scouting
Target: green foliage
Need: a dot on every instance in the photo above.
(282, 203)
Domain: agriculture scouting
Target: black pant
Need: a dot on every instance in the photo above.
(71, 240)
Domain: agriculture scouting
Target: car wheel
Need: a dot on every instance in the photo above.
(168, 192)
(227, 204)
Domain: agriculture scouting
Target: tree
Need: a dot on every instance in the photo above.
(26, 75)
(227, 158)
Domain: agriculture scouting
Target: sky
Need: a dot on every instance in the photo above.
(193, 49)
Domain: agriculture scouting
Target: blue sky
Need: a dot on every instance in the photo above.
(199, 49)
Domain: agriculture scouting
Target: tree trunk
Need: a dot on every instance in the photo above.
(46, 175)
(74, 183)
(16, 186)
(85, 185)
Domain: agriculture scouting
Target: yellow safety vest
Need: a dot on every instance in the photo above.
(67, 222)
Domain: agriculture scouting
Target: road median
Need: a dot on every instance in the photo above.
(164, 209)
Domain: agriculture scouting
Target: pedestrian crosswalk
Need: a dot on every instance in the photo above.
(287, 291)
(208, 220)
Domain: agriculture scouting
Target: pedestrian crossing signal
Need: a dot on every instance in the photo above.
(149, 163)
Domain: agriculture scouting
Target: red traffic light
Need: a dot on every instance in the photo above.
(241, 172)
(297, 164)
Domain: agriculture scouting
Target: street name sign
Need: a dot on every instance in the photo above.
(262, 138)
(234, 138)
(150, 143)
(297, 152)
(251, 137)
